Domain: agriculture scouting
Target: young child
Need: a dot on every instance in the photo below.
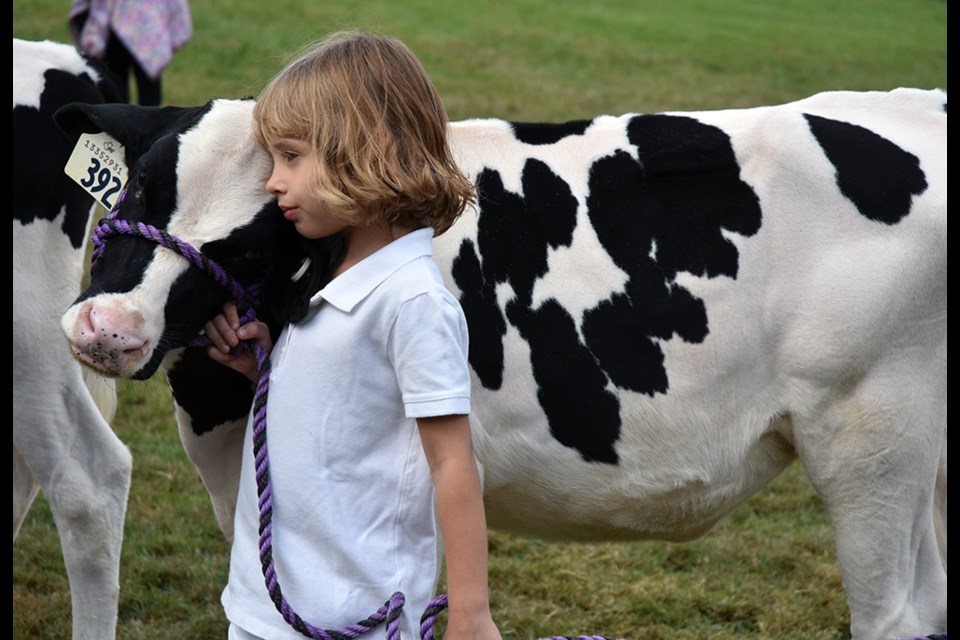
(367, 413)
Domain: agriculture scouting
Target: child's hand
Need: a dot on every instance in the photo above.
(225, 332)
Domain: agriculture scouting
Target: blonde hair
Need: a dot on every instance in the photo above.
(366, 106)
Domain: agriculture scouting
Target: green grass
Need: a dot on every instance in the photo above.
(768, 570)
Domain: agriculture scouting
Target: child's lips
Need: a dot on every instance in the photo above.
(289, 213)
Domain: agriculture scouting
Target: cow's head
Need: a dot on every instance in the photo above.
(196, 174)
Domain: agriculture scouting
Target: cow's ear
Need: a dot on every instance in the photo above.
(78, 118)
(135, 127)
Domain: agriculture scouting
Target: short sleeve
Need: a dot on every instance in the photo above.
(429, 346)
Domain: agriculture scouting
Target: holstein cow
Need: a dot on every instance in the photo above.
(665, 311)
(62, 441)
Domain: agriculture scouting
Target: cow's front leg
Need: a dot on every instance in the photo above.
(25, 488)
(84, 471)
(211, 403)
(217, 456)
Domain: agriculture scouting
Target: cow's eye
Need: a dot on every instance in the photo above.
(252, 256)
(138, 181)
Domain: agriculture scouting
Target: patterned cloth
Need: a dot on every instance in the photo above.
(152, 30)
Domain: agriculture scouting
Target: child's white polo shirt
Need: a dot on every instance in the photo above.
(353, 507)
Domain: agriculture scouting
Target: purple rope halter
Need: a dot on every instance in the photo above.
(112, 226)
(389, 613)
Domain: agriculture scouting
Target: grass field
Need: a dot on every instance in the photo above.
(768, 570)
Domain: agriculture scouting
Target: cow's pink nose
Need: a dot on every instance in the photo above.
(110, 333)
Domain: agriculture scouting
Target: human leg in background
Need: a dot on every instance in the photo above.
(121, 63)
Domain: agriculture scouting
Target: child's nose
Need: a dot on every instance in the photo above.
(273, 184)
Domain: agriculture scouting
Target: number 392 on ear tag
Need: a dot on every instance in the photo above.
(97, 164)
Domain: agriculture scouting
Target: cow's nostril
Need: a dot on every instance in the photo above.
(84, 328)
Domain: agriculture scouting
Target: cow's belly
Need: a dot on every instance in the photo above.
(683, 459)
(672, 482)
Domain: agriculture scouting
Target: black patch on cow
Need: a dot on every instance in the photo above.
(657, 215)
(484, 319)
(879, 177)
(571, 386)
(660, 213)
(514, 234)
(514, 246)
(40, 152)
(548, 133)
(209, 392)
(515, 252)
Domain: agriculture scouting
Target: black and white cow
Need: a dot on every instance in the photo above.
(62, 440)
(665, 311)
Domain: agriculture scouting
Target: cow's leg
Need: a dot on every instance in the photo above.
(84, 471)
(875, 457)
(940, 502)
(89, 503)
(25, 488)
(217, 457)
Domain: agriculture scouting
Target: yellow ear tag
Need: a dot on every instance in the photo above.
(97, 164)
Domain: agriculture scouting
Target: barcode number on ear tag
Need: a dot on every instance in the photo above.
(97, 164)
